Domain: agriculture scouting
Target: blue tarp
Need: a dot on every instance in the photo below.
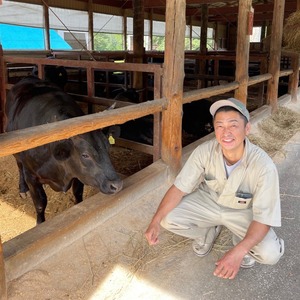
(13, 37)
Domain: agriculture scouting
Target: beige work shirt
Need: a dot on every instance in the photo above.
(252, 185)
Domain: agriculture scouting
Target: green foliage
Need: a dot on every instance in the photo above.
(158, 43)
(114, 42)
(108, 42)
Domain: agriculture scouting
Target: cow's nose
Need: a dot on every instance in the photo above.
(116, 186)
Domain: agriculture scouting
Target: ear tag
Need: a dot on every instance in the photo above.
(111, 140)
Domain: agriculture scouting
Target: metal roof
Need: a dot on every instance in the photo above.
(218, 11)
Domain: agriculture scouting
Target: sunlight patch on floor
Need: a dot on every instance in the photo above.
(123, 284)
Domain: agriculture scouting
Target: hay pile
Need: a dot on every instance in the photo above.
(276, 130)
(291, 32)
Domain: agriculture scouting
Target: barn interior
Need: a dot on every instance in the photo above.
(224, 63)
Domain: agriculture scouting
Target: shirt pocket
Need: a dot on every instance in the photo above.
(213, 184)
(242, 200)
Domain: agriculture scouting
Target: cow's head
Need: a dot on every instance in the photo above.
(86, 158)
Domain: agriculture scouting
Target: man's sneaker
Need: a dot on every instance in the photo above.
(203, 249)
(247, 262)
(281, 246)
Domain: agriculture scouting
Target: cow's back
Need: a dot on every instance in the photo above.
(33, 102)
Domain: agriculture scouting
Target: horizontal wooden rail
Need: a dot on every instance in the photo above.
(100, 100)
(285, 72)
(24, 139)
(259, 78)
(209, 92)
(151, 68)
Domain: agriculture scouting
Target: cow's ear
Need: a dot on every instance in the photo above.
(63, 150)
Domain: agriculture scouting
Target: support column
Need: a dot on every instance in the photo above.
(46, 25)
(90, 44)
(125, 33)
(203, 40)
(151, 29)
(275, 53)
(3, 81)
(138, 40)
(294, 78)
(173, 84)
(242, 49)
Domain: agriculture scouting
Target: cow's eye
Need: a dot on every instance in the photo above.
(85, 155)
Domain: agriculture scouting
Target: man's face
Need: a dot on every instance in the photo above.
(230, 131)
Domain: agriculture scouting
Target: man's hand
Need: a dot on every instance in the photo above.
(229, 265)
(170, 200)
(152, 233)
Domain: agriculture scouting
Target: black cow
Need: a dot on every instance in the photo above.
(76, 161)
(55, 74)
(196, 119)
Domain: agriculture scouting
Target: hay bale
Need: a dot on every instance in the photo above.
(276, 130)
(291, 32)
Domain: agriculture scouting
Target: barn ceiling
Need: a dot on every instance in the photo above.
(219, 11)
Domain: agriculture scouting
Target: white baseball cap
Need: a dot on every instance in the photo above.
(238, 105)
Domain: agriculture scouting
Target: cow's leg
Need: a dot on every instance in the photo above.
(23, 187)
(77, 188)
(38, 196)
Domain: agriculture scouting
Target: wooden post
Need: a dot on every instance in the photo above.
(275, 53)
(46, 25)
(151, 29)
(125, 33)
(138, 40)
(191, 33)
(3, 79)
(173, 84)
(3, 289)
(216, 36)
(203, 40)
(294, 77)
(90, 44)
(242, 50)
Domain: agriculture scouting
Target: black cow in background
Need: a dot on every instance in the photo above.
(196, 119)
(72, 162)
(55, 74)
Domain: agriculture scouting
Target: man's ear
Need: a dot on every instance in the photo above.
(248, 128)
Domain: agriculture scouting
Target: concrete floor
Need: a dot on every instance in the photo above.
(113, 260)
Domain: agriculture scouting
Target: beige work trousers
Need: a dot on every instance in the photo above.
(196, 217)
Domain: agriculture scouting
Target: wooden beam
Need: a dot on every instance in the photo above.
(151, 29)
(242, 49)
(173, 84)
(90, 44)
(203, 40)
(124, 23)
(209, 92)
(275, 53)
(138, 40)
(3, 80)
(24, 139)
(46, 25)
(294, 79)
